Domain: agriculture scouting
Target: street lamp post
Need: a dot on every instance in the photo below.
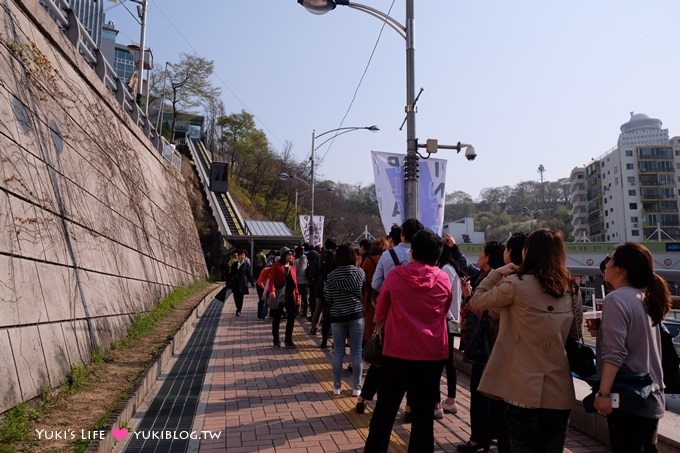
(160, 111)
(406, 31)
(284, 175)
(340, 131)
(142, 38)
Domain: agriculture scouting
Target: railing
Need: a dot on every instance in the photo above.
(62, 13)
(210, 195)
(231, 212)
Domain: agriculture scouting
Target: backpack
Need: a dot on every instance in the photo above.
(325, 264)
(309, 272)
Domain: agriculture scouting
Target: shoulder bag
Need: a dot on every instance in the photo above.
(278, 300)
(581, 358)
(373, 348)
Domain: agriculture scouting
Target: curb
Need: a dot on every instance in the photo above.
(127, 407)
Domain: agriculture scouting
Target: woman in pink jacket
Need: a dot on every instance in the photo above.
(413, 303)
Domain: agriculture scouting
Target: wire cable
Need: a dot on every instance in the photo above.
(217, 75)
(356, 91)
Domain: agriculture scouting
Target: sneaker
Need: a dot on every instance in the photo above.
(356, 392)
(324, 344)
(450, 408)
(438, 413)
(290, 346)
(312, 331)
(361, 407)
(238, 313)
(471, 447)
(277, 344)
(337, 391)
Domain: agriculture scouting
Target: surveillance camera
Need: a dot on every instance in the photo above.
(470, 153)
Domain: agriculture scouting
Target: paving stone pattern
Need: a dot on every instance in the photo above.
(266, 399)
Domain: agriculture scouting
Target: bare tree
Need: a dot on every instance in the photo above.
(189, 84)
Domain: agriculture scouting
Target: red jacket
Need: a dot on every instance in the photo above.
(277, 278)
(262, 278)
(413, 303)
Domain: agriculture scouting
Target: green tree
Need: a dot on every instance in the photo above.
(458, 205)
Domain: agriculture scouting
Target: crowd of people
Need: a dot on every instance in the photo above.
(417, 292)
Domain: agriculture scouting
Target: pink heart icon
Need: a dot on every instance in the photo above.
(119, 433)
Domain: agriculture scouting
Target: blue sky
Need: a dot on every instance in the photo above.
(527, 82)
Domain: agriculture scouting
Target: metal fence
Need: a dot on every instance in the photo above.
(62, 13)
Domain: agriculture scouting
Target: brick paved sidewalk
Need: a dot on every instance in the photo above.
(266, 399)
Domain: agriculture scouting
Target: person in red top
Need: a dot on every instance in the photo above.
(262, 280)
(283, 275)
(413, 303)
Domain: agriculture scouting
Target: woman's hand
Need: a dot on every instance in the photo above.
(603, 405)
(508, 269)
(449, 241)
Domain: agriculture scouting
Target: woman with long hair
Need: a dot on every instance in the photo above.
(368, 264)
(633, 310)
(447, 262)
(528, 368)
(342, 293)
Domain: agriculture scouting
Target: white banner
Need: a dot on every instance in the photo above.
(318, 229)
(388, 170)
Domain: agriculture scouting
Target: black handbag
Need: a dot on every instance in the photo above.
(581, 358)
(373, 349)
(478, 349)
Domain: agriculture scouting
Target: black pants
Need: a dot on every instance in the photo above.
(450, 366)
(325, 323)
(632, 433)
(536, 430)
(304, 296)
(371, 382)
(261, 308)
(480, 411)
(419, 378)
(312, 298)
(291, 312)
(238, 301)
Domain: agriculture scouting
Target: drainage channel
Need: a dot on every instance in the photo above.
(172, 410)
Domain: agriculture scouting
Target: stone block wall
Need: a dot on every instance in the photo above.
(95, 226)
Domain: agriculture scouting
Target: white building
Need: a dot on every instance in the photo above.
(463, 231)
(631, 192)
(579, 204)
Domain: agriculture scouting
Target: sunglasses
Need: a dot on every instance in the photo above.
(604, 262)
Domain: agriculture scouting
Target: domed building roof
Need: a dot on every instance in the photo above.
(640, 121)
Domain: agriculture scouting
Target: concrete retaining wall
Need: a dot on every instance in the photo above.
(95, 226)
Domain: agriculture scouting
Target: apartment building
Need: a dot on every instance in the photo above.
(630, 193)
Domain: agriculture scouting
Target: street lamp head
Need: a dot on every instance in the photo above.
(318, 6)
(283, 175)
(373, 128)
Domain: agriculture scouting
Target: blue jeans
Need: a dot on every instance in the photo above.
(354, 330)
